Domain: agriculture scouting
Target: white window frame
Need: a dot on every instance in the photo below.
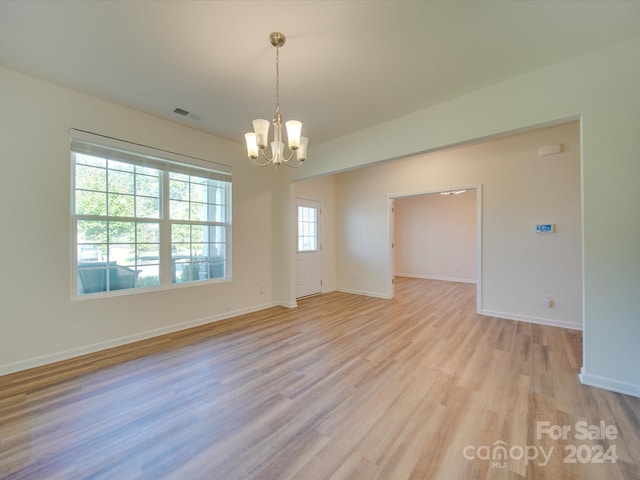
(315, 223)
(167, 163)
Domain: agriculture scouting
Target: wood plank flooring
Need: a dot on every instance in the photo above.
(342, 387)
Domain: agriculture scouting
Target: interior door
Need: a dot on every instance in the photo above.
(308, 248)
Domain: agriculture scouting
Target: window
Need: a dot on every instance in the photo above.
(146, 218)
(307, 229)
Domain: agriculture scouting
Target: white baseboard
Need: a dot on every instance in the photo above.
(526, 318)
(436, 277)
(288, 304)
(96, 347)
(366, 294)
(609, 384)
(294, 304)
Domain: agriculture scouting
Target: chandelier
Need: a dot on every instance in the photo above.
(258, 139)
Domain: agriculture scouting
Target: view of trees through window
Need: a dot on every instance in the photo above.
(130, 216)
(119, 205)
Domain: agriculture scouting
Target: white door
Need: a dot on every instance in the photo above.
(308, 248)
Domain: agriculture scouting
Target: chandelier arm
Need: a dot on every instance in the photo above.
(293, 165)
(268, 160)
(286, 160)
(264, 155)
(260, 164)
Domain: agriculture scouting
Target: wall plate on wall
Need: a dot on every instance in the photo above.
(549, 150)
(545, 228)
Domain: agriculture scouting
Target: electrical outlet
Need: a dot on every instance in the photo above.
(547, 301)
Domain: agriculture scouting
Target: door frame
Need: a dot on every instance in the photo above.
(296, 201)
(391, 237)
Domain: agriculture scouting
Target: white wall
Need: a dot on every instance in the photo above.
(519, 190)
(435, 236)
(40, 323)
(323, 189)
(600, 88)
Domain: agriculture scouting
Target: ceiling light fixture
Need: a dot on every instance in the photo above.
(257, 140)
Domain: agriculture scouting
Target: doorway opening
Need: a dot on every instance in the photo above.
(437, 235)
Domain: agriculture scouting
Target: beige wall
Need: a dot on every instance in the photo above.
(39, 321)
(601, 89)
(435, 236)
(519, 190)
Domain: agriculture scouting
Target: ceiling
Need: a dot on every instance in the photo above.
(346, 65)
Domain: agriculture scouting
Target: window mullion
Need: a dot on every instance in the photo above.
(165, 233)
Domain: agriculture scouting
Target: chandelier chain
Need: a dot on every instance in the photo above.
(277, 79)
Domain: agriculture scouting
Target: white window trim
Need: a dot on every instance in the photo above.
(86, 142)
(318, 208)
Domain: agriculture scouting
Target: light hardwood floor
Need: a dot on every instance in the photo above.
(342, 387)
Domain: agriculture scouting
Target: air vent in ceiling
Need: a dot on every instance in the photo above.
(185, 113)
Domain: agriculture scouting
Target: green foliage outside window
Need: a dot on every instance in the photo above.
(121, 208)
